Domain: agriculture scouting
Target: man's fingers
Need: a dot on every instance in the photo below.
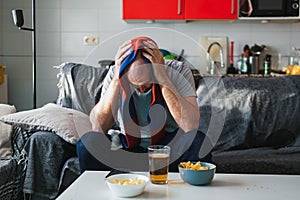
(154, 55)
(150, 44)
(148, 56)
(124, 55)
(123, 49)
(128, 42)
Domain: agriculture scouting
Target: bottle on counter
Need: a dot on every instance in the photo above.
(244, 69)
(267, 64)
(231, 69)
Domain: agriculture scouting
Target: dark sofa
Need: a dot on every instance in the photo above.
(253, 122)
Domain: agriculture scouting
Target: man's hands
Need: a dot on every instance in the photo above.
(152, 53)
(122, 53)
(184, 110)
(102, 115)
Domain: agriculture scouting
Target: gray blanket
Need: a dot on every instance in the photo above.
(80, 86)
(12, 171)
(46, 154)
(246, 112)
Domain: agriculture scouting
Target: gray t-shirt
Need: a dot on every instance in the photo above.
(182, 78)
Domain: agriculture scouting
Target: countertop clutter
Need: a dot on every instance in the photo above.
(254, 60)
(294, 62)
(257, 60)
(292, 69)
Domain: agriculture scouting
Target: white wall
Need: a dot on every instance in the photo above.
(62, 24)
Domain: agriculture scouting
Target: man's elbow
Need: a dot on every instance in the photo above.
(191, 124)
(97, 124)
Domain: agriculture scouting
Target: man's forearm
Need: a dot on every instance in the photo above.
(184, 110)
(102, 115)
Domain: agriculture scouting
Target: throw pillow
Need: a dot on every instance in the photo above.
(5, 132)
(67, 123)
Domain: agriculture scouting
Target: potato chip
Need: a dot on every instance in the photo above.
(130, 181)
(193, 166)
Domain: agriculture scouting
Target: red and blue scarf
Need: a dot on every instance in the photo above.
(129, 116)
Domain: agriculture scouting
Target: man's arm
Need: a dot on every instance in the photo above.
(102, 115)
(184, 110)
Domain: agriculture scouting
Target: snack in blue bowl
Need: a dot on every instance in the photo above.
(197, 173)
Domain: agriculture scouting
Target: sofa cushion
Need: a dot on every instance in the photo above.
(260, 160)
(67, 123)
(281, 138)
(5, 132)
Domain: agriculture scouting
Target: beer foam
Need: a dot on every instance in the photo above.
(159, 155)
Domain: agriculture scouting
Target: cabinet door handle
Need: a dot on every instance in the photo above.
(232, 7)
(179, 7)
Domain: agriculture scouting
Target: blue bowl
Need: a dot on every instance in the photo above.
(198, 177)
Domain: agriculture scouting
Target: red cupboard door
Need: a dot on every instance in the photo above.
(205, 9)
(153, 9)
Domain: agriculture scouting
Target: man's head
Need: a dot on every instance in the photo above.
(136, 66)
(139, 74)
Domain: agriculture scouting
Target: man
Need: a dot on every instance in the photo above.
(152, 101)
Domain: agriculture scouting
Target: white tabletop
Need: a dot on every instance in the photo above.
(91, 185)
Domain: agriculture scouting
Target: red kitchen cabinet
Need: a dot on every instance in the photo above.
(153, 9)
(205, 9)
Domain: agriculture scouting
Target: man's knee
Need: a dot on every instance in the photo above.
(194, 142)
(87, 150)
(86, 142)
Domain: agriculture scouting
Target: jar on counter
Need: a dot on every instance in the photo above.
(294, 57)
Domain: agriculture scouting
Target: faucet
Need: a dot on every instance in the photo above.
(211, 65)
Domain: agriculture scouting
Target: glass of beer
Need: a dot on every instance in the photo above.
(159, 158)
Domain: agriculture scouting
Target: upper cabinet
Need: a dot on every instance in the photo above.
(153, 9)
(179, 9)
(204, 9)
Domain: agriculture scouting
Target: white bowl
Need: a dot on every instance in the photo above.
(127, 190)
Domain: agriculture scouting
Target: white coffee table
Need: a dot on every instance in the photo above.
(91, 185)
